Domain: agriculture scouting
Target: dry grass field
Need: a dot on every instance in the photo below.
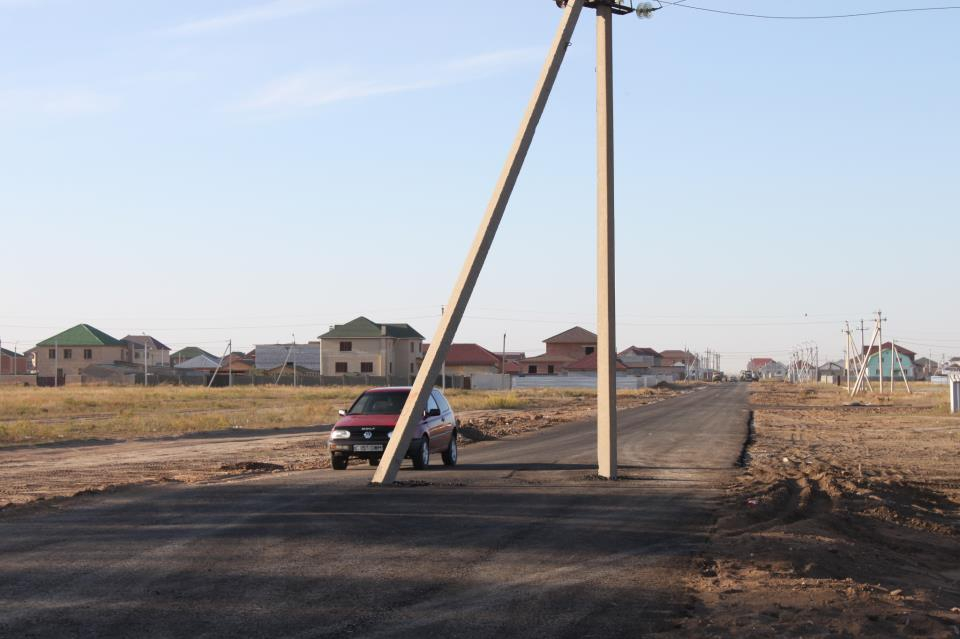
(39, 415)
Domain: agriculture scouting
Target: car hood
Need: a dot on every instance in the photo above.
(367, 420)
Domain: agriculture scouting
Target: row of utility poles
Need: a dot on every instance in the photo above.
(701, 364)
(804, 363)
(861, 360)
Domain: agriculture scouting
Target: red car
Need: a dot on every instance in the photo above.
(364, 430)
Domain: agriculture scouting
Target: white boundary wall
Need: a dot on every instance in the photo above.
(624, 382)
(489, 381)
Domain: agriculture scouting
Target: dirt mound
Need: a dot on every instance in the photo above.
(844, 522)
(252, 466)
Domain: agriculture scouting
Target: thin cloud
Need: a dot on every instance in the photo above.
(54, 102)
(312, 89)
(268, 11)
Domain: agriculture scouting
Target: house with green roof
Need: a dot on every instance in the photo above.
(364, 347)
(61, 358)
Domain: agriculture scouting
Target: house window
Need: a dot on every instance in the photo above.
(88, 353)
(341, 367)
(366, 367)
(411, 368)
(532, 370)
(391, 368)
(136, 354)
(346, 347)
(589, 350)
(411, 347)
(52, 353)
(67, 353)
(550, 369)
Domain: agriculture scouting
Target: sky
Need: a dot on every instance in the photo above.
(258, 170)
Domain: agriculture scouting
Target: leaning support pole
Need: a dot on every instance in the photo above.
(606, 288)
(858, 386)
(417, 400)
(896, 354)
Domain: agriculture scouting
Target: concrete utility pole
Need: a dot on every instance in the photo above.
(503, 360)
(606, 339)
(880, 349)
(145, 369)
(846, 355)
(294, 359)
(606, 285)
(56, 363)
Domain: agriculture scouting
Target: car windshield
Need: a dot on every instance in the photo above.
(384, 403)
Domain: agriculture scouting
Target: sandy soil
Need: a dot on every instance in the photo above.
(32, 473)
(845, 521)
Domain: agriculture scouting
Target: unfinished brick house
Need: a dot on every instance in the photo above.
(563, 349)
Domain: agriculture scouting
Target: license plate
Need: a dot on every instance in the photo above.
(368, 448)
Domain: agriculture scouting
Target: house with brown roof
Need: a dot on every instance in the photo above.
(13, 363)
(469, 359)
(895, 366)
(637, 357)
(156, 353)
(588, 365)
(757, 363)
(563, 349)
(677, 358)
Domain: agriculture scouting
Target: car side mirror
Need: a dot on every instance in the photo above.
(342, 412)
(433, 413)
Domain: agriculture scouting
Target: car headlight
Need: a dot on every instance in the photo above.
(339, 434)
(389, 434)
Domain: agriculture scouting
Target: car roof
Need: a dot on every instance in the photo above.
(394, 389)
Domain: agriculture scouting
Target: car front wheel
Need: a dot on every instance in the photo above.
(339, 462)
(450, 454)
(422, 458)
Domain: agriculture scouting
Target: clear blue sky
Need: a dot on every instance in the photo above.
(207, 169)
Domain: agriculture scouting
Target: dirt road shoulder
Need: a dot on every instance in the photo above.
(845, 521)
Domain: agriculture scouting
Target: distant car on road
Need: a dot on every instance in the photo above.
(364, 430)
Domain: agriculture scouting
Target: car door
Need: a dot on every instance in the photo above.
(434, 425)
(446, 418)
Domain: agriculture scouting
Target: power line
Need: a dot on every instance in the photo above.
(838, 16)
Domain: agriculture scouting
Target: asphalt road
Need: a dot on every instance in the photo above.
(521, 539)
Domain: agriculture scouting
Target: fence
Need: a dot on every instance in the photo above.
(128, 376)
(488, 381)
